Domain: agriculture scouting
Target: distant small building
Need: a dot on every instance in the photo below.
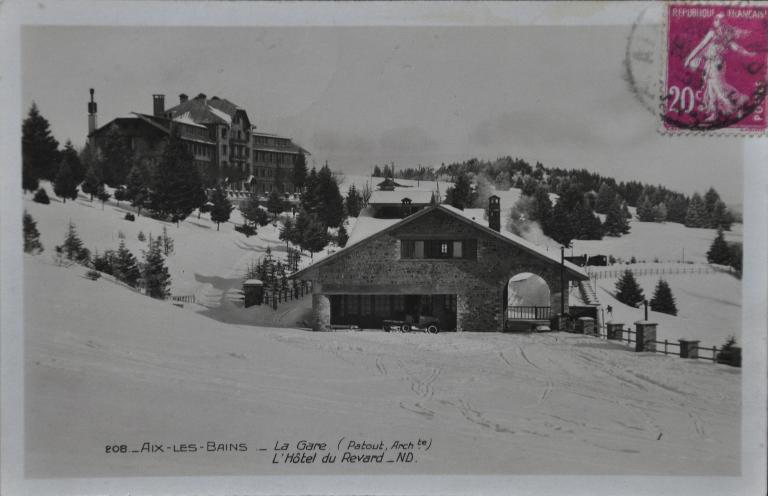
(390, 204)
(389, 184)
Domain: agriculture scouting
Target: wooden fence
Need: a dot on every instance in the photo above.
(631, 339)
(295, 292)
(183, 298)
(655, 271)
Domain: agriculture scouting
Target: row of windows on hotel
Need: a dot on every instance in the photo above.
(438, 248)
(200, 149)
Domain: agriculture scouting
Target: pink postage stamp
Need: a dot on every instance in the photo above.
(715, 75)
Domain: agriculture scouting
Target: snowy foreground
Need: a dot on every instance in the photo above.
(107, 366)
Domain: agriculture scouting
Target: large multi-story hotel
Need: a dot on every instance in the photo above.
(217, 133)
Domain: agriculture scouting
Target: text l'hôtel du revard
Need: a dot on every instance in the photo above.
(302, 452)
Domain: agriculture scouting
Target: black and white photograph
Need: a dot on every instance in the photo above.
(384, 248)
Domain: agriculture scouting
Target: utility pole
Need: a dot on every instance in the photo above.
(562, 281)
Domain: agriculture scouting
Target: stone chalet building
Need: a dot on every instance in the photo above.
(439, 261)
(217, 132)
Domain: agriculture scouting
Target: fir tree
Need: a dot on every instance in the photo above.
(605, 196)
(625, 211)
(615, 223)
(662, 300)
(103, 195)
(660, 213)
(310, 200)
(70, 155)
(157, 280)
(736, 256)
(721, 217)
(221, 208)
(719, 253)
(72, 248)
(137, 185)
(342, 237)
(460, 195)
(126, 267)
(696, 214)
(176, 189)
(353, 202)
(315, 236)
(376, 171)
(64, 185)
(92, 180)
(560, 227)
(120, 195)
(275, 204)
(299, 172)
(39, 150)
(645, 210)
(711, 199)
(251, 210)
(41, 197)
(628, 291)
(542, 207)
(31, 235)
(332, 212)
(167, 242)
(286, 231)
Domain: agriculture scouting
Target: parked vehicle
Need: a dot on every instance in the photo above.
(430, 325)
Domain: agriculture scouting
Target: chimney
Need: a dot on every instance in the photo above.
(494, 213)
(201, 96)
(183, 98)
(406, 207)
(91, 115)
(158, 105)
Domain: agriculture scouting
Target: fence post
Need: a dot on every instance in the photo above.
(665, 347)
(689, 348)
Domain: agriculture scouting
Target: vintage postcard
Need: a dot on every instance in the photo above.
(383, 248)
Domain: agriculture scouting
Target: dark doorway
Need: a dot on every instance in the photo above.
(369, 311)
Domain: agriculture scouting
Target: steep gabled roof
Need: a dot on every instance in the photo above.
(207, 111)
(507, 237)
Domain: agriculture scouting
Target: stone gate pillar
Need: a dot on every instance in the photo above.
(646, 335)
(321, 312)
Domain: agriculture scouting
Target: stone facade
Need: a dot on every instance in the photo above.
(374, 266)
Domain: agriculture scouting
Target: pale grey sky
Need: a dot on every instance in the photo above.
(357, 96)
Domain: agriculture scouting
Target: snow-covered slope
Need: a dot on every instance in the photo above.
(105, 365)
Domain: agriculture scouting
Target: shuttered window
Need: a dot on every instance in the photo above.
(438, 248)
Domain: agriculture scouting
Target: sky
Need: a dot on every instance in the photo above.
(359, 96)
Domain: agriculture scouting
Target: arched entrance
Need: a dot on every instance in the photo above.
(527, 302)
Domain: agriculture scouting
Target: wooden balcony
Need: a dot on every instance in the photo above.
(529, 313)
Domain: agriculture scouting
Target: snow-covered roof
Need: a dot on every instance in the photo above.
(186, 118)
(421, 197)
(367, 225)
(370, 227)
(221, 114)
(253, 282)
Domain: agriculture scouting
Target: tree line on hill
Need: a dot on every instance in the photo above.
(600, 194)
